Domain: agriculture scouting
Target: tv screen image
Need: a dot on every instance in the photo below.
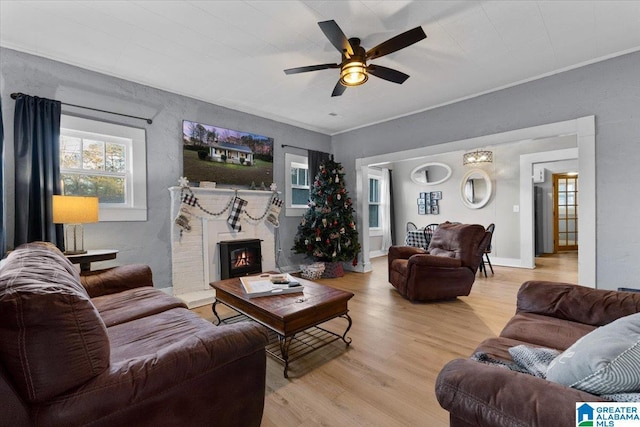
(230, 158)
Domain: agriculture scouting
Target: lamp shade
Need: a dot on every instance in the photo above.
(75, 209)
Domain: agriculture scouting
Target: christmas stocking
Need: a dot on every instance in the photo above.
(274, 212)
(184, 215)
(236, 210)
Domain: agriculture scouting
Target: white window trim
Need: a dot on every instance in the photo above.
(375, 231)
(136, 210)
(293, 160)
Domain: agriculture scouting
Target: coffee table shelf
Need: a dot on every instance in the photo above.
(300, 344)
(293, 319)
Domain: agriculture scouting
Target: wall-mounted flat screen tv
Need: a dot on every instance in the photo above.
(230, 158)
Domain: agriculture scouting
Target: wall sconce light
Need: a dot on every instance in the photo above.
(73, 211)
(476, 157)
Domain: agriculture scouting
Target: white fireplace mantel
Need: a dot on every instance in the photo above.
(195, 253)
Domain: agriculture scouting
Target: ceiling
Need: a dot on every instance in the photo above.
(233, 53)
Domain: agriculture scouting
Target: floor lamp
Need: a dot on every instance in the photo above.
(73, 211)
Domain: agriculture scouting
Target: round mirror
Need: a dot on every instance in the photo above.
(475, 189)
(431, 173)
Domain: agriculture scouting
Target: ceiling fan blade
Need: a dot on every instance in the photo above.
(386, 73)
(336, 36)
(396, 43)
(310, 68)
(339, 89)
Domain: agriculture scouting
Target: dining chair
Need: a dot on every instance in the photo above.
(487, 251)
(428, 233)
(411, 226)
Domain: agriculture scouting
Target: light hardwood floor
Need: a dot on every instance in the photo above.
(387, 376)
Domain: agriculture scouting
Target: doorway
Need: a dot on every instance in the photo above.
(565, 212)
(584, 130)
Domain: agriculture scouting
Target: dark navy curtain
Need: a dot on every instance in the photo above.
(3, 223)
(37, 162)
(315, 159)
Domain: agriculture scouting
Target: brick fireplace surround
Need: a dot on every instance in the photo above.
(195, 256)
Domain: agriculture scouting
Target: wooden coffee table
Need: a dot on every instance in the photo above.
(293, 318)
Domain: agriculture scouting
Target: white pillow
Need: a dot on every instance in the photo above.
(605, 361)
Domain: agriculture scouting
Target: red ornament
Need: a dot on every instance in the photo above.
(328, 241)
(354, 262)
(329, 198)
(335, 222)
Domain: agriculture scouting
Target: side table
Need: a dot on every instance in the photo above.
(92, 255)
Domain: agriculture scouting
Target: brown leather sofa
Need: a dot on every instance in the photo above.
(446, 270)
(108, 349)
(551, 315)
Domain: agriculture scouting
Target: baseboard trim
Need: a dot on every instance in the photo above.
(508, 262)
(376, 254)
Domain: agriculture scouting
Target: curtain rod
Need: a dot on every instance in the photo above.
(15, 95)
(293, 146)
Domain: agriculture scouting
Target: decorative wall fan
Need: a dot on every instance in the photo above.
(354, 70)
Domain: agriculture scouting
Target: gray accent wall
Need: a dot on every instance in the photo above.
(145, 242)
(609, 90)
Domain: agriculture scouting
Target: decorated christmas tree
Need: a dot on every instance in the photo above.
(327, 231)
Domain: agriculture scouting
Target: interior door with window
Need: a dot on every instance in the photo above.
(565, 212)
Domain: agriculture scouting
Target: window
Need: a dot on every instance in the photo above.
(105, 160)
(297, 184)
(374, 203)
(91, 167)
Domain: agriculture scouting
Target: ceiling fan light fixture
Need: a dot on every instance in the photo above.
(353, 66)
(353, 73)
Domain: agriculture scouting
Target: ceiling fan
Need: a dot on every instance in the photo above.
(353, 67)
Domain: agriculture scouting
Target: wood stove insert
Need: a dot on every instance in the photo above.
(240, 258)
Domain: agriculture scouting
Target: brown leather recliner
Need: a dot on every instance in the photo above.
(446, 270)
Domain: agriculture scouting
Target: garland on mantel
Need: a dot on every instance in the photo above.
(188, 201)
